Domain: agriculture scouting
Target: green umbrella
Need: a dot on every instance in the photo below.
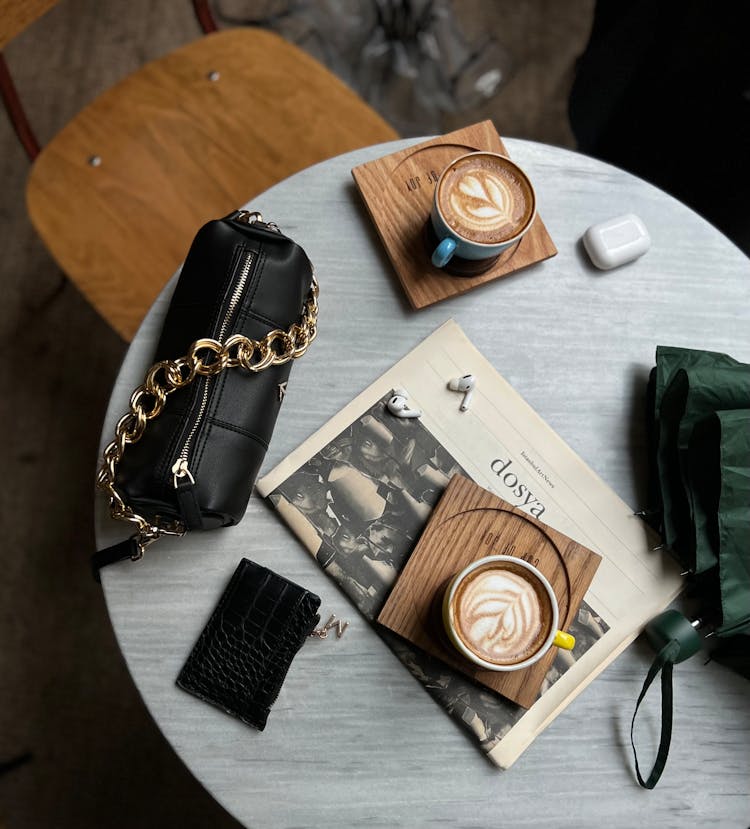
(719, 475)
(692, 395)
(698, 425)
(670, 381)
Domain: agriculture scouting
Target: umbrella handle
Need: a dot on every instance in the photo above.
(676, 640)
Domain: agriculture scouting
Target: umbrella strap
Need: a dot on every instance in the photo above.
(664, 662)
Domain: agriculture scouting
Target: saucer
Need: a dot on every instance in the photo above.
(398, 189)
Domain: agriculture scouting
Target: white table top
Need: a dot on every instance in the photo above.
(354, 740)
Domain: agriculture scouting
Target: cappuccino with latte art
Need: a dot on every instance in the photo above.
(501, 613)
(483, 205)
(485, 198)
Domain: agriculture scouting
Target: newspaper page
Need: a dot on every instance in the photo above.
(359, 491)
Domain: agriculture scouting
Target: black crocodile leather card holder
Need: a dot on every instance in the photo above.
(241, 658)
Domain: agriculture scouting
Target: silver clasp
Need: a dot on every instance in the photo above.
(146, 537)
(249, 217)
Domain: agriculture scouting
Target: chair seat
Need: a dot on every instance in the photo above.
(175, 149)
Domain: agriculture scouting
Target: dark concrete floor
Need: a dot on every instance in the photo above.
(77, 747)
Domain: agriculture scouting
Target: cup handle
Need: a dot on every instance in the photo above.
(443, 253)
(564, 640)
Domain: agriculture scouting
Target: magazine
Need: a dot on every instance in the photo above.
(360, 490)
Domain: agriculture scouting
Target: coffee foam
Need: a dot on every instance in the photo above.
(485, 200)
(502, 613)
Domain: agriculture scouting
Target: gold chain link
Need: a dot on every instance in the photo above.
(205, 357)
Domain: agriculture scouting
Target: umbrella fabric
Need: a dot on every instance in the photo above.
(692, 395)
(722, 389)
(699, 440)
(669, 358)
(719, 452)
(734, 653)
(668, 495)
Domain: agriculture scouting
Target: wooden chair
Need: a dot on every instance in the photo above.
(119, 193)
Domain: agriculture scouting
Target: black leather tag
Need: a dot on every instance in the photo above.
(241, 658)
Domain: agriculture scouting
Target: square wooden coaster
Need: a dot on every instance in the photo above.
(398, 191)
(469, 523)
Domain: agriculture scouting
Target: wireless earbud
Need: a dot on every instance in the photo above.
(466, 385)
(398, 405)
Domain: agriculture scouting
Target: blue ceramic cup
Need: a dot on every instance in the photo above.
(483, 204)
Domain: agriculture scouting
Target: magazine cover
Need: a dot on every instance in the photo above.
(359, 492)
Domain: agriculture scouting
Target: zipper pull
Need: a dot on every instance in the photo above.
(187, 498)
(179, 471)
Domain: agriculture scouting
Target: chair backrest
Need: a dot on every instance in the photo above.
(17, 15)
(119, 193)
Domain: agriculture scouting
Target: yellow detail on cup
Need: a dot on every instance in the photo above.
(564, 640)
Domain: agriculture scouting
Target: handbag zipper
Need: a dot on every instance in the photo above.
(181, 474)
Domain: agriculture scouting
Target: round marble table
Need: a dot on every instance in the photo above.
(353, 739)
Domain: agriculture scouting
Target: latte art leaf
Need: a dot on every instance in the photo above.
(500, 617)
(485, 212)
(471, 186)
(499, 195)
(484, 197)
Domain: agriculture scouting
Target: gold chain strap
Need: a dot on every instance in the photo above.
(205, 357)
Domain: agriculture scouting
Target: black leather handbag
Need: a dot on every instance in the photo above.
(245, 305)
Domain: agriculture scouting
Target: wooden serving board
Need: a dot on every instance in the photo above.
(469, 523)
(398, 190)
